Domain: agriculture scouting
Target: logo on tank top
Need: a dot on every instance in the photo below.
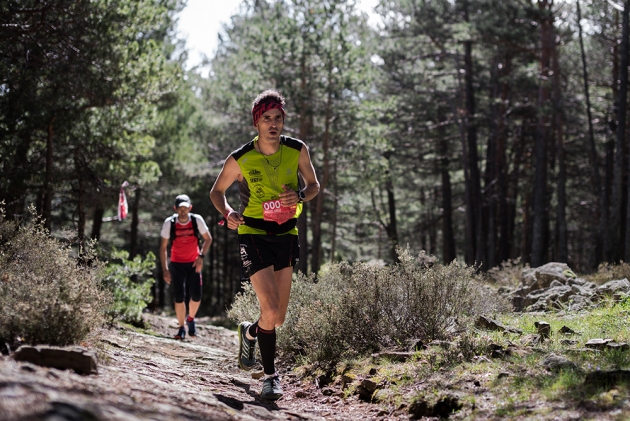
(259, 190)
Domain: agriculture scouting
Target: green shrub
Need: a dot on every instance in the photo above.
(359, 308)
(47, 295)
(131, 290)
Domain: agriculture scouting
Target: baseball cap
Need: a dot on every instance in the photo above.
(182, 200)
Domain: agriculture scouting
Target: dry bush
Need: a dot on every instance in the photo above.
(47, 296)
(609, 272)
(508, 273)
(359, 308)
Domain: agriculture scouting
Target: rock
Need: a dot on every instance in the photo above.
(420, 408)
(543, 276)
(503, 374)
(567, 331)
(597, 343)
(612, 288)
(621, 346)
(519, 302)
(568, 342)
(75, 358)
(442, 344)
(323, 380)
(346, 380)
(327, 391)
(487, 323)
(544, 329)
(366, 390)
(416, 345)
(369, 385)
(446, 406)
(556, 363)
(301, 394)
(607, 379)
(580, 302)
(400, 357)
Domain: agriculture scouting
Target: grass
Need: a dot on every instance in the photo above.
(528, 389)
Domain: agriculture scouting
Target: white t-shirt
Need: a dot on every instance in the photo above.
(185, 246)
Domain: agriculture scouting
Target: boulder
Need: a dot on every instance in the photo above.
(556, 363)
(543, 276)
(597, 343)
(544, 329)
(612, 288)
(76, 358)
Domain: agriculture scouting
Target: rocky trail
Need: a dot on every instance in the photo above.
(144, 374)
(153, 377)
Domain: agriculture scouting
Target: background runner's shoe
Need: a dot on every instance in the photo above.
(181, 334)
(271, 389)
(246, 348)
(192, 332)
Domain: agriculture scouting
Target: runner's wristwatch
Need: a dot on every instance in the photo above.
(201, 255)
(301, 196)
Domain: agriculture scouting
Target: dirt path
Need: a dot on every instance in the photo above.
(154, 377)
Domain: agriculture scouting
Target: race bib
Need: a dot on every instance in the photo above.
(274, 211)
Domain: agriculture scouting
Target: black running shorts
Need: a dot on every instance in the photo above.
(186, 282)
(261, 251)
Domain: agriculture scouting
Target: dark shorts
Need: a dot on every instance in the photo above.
(186, 282)
(261, 251)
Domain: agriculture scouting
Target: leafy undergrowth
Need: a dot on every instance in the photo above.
(492, 375)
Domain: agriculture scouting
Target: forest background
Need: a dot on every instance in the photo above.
(477, 130)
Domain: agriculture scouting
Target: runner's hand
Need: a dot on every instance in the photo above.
(198, 264)
(167, 276)
(288, 197)
(234, 219)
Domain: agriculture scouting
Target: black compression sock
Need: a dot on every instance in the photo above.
(267, 345)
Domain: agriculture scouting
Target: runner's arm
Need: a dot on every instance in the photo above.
(164, 260)
(228, 175)
(305, 165)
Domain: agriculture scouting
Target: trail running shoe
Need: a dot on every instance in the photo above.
(271, 389)
(192, 332)
(181, 334)
(246, 348)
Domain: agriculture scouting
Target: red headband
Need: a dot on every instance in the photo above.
(264, 106)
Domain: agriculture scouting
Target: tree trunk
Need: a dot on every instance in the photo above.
(48, 183)
(135, 208)
(597, 184)
(448, 238)
(78, 166)
(540, 178)
(392, 231)
(318, 205)
(503, 246)
(621, 120)
(333, 223)
(616, 210)
(473, 159)
(306, 125)
(97, 222)
(562, 253)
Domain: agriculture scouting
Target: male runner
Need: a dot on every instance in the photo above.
(268, 171)
(184, 271)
